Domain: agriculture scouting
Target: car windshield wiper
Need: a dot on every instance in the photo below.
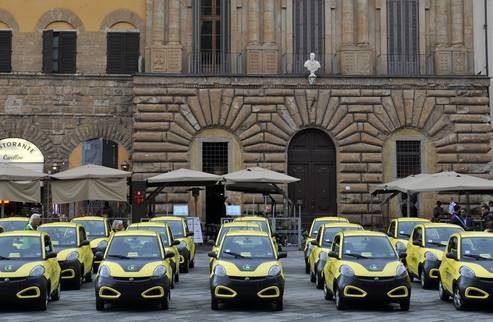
(5, 258)
(476, 257)
(236, 255)
(119, 256)
(356, 255)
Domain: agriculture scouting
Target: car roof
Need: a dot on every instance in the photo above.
(246, 233)
(412, 219)
(14, 219)
(340, 224)
(466, 234)
(251, 218)
(334, 218)
(149, 224)
(89, 218)
(20, 233)
(438, 225)
(240, 224)
(167, 218)
(61, 224)
(136, 233)
(349, 233)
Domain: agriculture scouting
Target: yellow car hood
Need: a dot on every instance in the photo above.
(250, 268)
(373, 268)
(481, 269)
(94, 243)
(132, 268)
(17, 268)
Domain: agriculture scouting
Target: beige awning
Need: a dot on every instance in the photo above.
(91, 171)
(10, 172)
(184, 177)
(258, 175)
(21, 191)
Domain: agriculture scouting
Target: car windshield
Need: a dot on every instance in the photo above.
(247, 247)
(437, 237)
(127, 247)
(477, 248)
(94, 228)
(225, 230)
(160, 230)
(262, 224)
(176, 227)
(13, 225)
(330, 233)
(316, 226)
(61, 237)
(20, 247)
(367, 247)
(405, 229)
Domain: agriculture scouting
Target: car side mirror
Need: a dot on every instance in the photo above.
(169, 254)
(282, 255)
(314, 243)
(212, 254)
(99, 256)
(84, 243)
(451, 255)
(333, 254)
(175, 243)
(402, 255)
(190, 234)
(50, 255)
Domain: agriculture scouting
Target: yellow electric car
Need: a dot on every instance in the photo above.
(264, 226)
(169, 244)
(400, 230)
(312, 235)
(134, 269)
(14, 223)
(363, 266)
(425, 251)
(74, 253)
(466, 271)
(247, 268)
(321, 248)
(29, 270)
(186, 248)
(98, 231)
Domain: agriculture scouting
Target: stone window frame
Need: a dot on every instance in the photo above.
(7, 18)
(231, 157)
(60, 14)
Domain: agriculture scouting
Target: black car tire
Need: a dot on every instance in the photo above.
(165, 302)
(307, 267)
(172, 284)
(404, 306)
(185, 268)
(177, 276)
(55, 296)
(312, 276)
(192, 263)
(43, 301)
(426, 283)
(442, 293)
(279, 304)
(458, 300)
(88, 277)
(99, 304)
(214, 303)
(327, 293)
(340, 302)
(77, 282)
(319, 281)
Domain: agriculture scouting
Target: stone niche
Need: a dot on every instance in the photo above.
(451, 61)
(262, 60)
(356, 61)
(168, 59)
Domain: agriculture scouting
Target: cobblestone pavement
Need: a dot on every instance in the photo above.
(191, 302)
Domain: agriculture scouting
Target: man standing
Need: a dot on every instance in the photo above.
(451, 206)
(438, 212)
(34, 222)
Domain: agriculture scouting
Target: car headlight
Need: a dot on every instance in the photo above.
(429, 256)
(73, 256)
(401, 247)
(467, 272)
(104, 271)
(37, 271)
(275, 270)
(401, 271)
(323, 256)
(159, 271)
(346, 271)
(102, 244)
(219, 271)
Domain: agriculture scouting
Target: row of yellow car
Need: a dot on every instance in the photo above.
(351, 264)
(147, 254)
(245, 264)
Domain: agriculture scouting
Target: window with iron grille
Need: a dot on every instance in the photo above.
(408, 158)
(309, 32)
(215, 157)
(403, 49)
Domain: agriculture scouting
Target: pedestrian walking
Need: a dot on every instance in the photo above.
(34, 222)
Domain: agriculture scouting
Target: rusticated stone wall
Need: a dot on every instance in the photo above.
(57, 113)
(359, 114)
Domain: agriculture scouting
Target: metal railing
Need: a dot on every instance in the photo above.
(215, 63)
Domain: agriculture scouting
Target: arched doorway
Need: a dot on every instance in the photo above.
(312, 158)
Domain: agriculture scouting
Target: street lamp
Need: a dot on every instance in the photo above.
(125, 166)
(54, 168)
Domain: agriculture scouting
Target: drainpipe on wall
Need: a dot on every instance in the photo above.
(486, 36)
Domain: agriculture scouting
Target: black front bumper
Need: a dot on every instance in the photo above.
(268, 289)
(476, 289)
(11, 291)
(431, 269)
(381, 290)
(70, 271)
(112, 289)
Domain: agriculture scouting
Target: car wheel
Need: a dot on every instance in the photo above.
(177, 277)
(55, 296)
(279, 304)
(312, 276)
(328, 293)
(192, 264)
(165, 302)
(88, 277)
(172, 284)
(77, 283)
(43, 301)
(340, 303)
(307, 267)
(458, 300)
(214, 303)
(99, 304)
(426, 283)
(405, 305)
(185, 267)
(319, 280)
(444, 296)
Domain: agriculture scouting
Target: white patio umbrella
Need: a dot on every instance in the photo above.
(184, 177)
(258, 175)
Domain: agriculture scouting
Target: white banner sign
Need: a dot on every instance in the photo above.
(15, 150)
(194, 225)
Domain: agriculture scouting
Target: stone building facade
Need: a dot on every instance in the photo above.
(396, 90)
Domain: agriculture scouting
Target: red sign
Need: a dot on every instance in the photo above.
(138, 198)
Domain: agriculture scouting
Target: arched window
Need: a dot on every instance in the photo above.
(59, 48)
(5, 48)
(123, 49)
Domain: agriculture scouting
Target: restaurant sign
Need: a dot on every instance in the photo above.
(14, 150)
